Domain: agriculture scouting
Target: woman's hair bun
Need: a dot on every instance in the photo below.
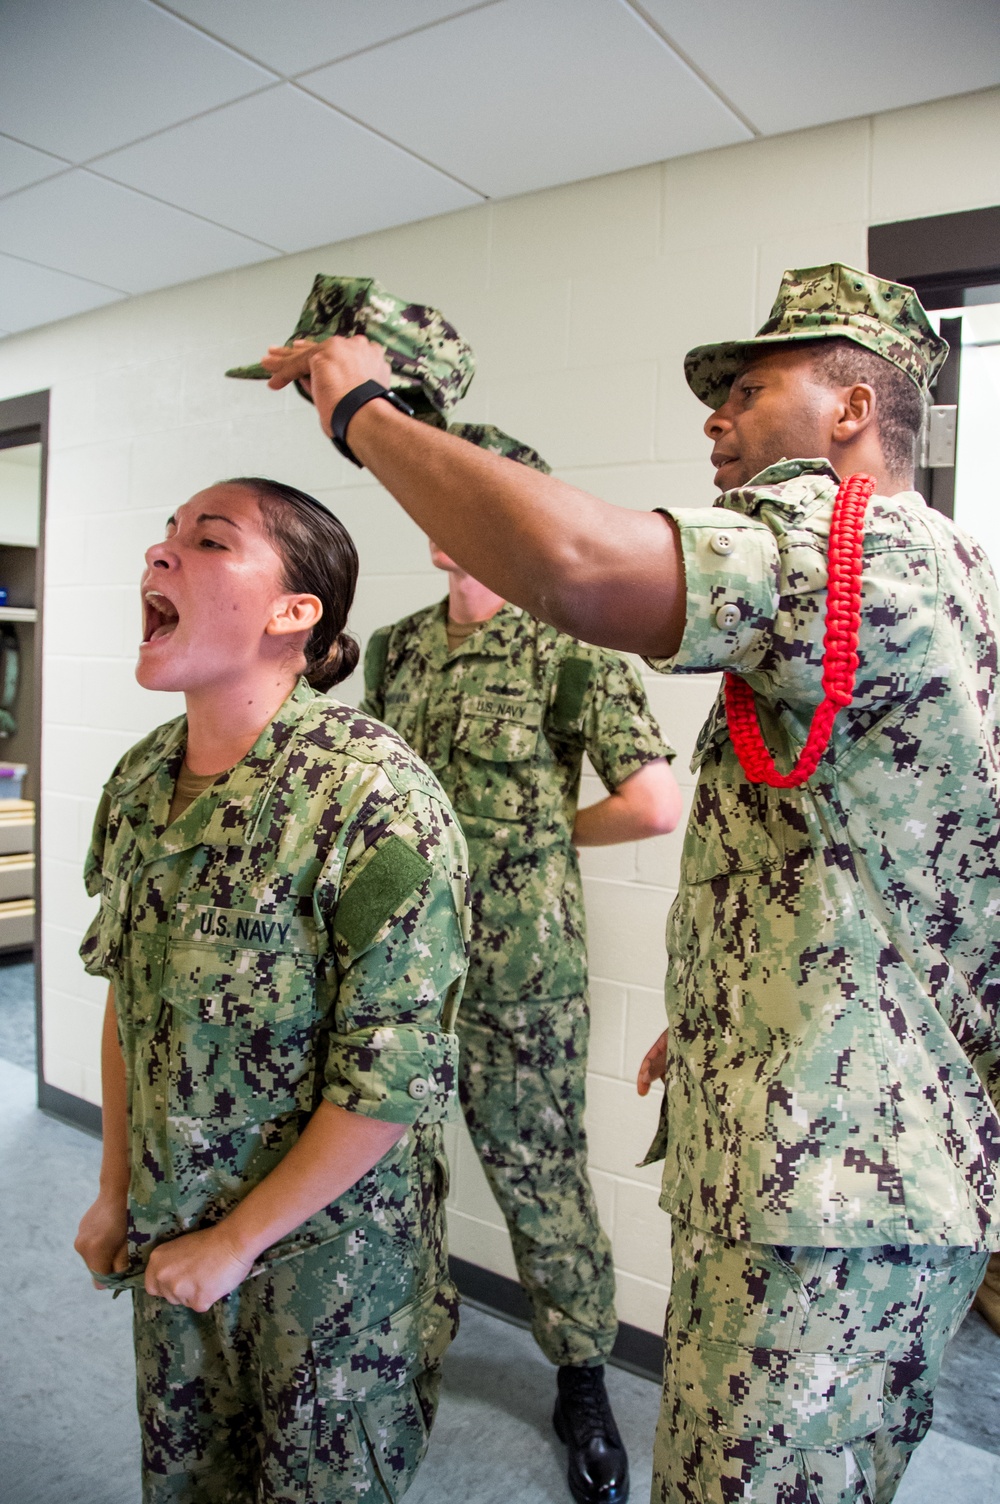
(340, 663)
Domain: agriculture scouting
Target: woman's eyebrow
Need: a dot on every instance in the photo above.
(216, 517)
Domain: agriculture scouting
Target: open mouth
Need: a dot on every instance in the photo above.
(159, 616)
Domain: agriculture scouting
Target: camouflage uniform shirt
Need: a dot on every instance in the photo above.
(504, 721)
(297, 934)
(834, 950)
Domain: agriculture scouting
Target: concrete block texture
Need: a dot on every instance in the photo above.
(580, 302)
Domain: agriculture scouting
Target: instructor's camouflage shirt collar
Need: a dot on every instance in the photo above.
(829, 302)
(432, 365)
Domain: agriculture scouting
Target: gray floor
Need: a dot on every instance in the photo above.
(67, 1428)
(17, 1009)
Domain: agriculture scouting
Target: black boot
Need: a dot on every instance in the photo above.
(598, 1466)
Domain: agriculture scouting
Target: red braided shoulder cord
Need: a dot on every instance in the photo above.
(840, 651)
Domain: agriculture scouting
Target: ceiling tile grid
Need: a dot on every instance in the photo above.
(87, 226)
(789, 64)
(533, 101)
(149, 142)
(313, 32)
(284, 168)
(84, 78)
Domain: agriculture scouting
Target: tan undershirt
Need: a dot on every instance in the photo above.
(460, 631)
(189, 786)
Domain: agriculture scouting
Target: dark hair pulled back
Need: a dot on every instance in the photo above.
(319, 559)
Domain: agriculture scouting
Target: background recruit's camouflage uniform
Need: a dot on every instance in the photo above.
(504, 721)
(297, 934)
(834, 977)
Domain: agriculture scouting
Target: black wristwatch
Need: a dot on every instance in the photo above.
(348, 406)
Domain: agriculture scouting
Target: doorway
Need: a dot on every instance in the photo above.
(978, 402)
(23, 441)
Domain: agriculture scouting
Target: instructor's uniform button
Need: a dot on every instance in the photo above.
(728, 615)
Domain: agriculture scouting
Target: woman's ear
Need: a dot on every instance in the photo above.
(294, 613)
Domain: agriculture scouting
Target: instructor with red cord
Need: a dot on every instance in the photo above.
(830, 1121)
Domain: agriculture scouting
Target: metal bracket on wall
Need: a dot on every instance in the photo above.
(939, 438)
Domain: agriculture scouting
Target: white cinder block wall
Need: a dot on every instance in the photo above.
(580, 303)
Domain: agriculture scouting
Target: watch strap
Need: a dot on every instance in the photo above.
(349, 405)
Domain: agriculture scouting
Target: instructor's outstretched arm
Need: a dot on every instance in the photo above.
(605, 574)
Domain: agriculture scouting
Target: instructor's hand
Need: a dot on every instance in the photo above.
(100, 1238)
(329, 370)
(654, 1066)
(197, 1269)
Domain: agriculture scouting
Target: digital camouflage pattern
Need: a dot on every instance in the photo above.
(800, 1374)
(300, 1394)
(432, 364)
(486, 436)
(833, 985)
(829, 302)
(504, 721)
(298, 933)
(523, 1082)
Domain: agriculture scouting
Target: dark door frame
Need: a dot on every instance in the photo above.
(943, 257)
(25, 420)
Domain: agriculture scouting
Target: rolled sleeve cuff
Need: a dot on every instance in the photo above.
(398, 1075)
(732, 574)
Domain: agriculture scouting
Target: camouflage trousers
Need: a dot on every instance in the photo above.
(263, 1400)
(801, 1375)
(522, 1081)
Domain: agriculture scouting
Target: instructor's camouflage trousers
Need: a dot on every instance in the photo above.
(523, 1071)
(801, 1375)
(270, 1397)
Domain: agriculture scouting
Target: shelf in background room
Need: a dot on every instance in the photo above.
(18, 613)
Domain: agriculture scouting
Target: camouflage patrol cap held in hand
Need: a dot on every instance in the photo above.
(829, 302)
(431, 362)
(488, 437)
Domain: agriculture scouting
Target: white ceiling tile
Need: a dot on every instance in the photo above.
(286, 168)
(81, 224)
(311, 32)
(81, 79)
(21, 165)
(31, 295)
(522, 95)
(787, 64)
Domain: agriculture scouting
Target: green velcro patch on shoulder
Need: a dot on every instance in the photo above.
(571, 686)
(394, 872)
(376, 654)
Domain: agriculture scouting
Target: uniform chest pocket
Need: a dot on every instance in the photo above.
(242, 1023)
(495, 748)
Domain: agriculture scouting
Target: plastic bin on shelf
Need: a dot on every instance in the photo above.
(12, 775)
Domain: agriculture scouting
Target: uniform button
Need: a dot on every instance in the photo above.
(721, 543)
(418, 1088)
(728, 615)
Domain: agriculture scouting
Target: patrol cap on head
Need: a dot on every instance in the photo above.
(431, 362)
(829, 302)
(488, 437)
